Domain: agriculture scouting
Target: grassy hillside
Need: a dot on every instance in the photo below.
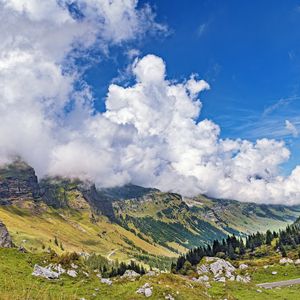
(16, 282)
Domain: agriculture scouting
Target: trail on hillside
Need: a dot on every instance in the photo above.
(110, 254)
(270, 285)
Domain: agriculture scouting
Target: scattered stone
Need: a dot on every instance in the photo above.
(151, 273)
(44, 272)
(58, 268)
(203, 278)
(169, 297)
(266, 267)
(243, 266)
(86, 274)
(202, 269)
(274, 273)
(297, 261)
(286, 260)
(5, 238)
(220, 279)
(74, 266)
(106, 281)
(146, 290)
(22, 249)
(72, 273)
(130, 274)
(259, 291)
(99, 275)
(244, 279)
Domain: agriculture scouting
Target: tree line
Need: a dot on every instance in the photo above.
(234, 247)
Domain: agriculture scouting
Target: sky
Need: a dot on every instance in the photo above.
(186, 96)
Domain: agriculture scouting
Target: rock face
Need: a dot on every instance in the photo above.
(18, 182)
(5, 239)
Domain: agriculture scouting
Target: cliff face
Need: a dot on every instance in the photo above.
(5, 239)
(18, 182)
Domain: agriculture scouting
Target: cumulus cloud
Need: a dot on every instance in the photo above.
(291, 128)
(149, 134)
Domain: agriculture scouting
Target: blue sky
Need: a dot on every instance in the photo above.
(248, 51)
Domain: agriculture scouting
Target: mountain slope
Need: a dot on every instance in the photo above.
(129, 222)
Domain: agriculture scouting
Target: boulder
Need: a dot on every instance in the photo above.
(146, 290)
(243, 266)
(221, 265)
(130, 274)
(106, 281)
(286, 260)
(44, 272)
(203, 278)
(202, 269)
(244, 279)
(5, 238)
(72, 273)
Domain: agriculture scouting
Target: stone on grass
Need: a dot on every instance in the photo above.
(286, 260)
(243, 266)
(274, 273)
(130, 274)
(72, 273)
(44, 272)
(145, 290)
(106, 281)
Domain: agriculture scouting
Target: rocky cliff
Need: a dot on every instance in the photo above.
(18, 182)
(5, 239)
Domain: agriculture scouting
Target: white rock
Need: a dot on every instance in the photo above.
(220, 279)
(202, 269)
(286, 260)
(72, 273)
(244, 279)
(152, 273)
(221, 265)
(106, 281)
(243, 266)
(86, 274)
(59, 269)
(259, 291)
(169, 297)
(297, 261)
(203, 278)
(274, 273)
(130, 274)
(44, 272)
(74, 266)
(148, 292)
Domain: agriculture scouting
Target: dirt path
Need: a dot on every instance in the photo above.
(110, 254)
(270, 285)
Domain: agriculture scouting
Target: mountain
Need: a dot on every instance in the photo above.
(123, 222)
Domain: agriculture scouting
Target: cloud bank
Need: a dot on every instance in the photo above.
(148, 135)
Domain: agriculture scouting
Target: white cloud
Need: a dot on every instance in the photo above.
(148, 135)
(291, 128)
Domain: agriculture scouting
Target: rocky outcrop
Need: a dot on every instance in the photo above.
(44, 272)
(5, 238)
(220, 270)
(18, 182)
